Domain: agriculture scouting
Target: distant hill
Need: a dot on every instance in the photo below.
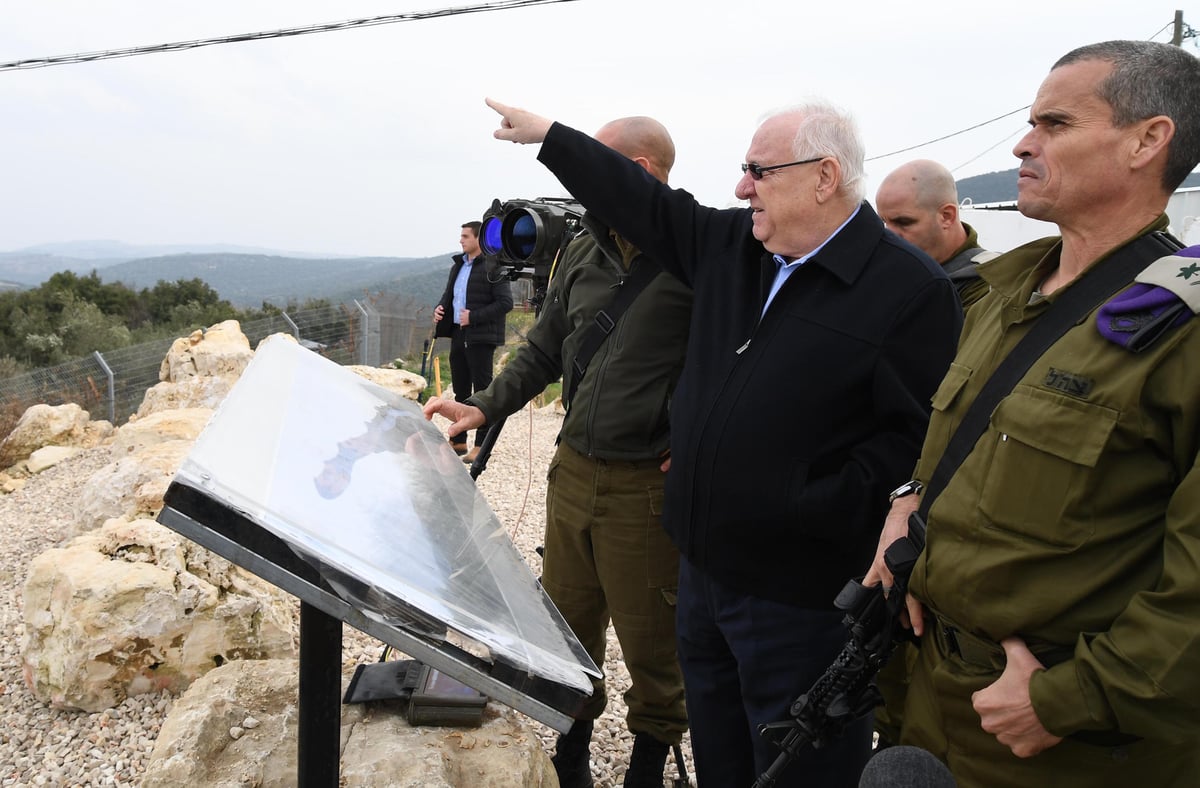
(1002, 186)
(248, 280)
(245, 280)
(120, 251)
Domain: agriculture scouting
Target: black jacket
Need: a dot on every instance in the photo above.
(786, 434)
(487, 301)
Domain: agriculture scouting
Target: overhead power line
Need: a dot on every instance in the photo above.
(952, 134)
(1187, 32)
(110, 54)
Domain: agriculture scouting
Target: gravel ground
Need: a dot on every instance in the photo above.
(43, 746)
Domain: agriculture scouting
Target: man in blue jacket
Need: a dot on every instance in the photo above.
(814, 325)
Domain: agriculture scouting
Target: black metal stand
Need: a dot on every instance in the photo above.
(319, 706)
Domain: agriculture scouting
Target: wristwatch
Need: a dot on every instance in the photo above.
(908, 488)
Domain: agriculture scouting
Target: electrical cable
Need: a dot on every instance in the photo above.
(1190, 33)
(178, 46)
(948, 136)
(988, 150)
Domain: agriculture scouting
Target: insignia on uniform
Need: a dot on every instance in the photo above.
(1161, 298)
(1069, 383)
(1179, 273)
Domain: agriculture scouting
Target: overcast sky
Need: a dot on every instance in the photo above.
(376, 141)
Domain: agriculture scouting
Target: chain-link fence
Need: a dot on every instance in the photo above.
(111, 385)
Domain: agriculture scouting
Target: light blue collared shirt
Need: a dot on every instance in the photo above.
(460, 288)
(786, 269)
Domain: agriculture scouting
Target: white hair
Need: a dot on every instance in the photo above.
(826, 130)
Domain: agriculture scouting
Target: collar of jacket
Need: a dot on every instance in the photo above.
(1016, 273)
(847, 253)
(602, 236)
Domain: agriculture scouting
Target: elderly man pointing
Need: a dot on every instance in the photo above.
(816, 341)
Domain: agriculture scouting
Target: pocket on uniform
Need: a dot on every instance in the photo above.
(662, 559)
(947, 391)
(1044, 447)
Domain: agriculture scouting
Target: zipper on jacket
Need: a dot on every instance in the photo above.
(740, 350)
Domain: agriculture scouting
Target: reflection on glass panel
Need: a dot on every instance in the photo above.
(355, 480)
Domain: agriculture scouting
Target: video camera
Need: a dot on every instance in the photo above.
(525, 238)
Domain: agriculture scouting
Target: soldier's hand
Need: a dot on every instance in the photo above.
(895, 526)
(465, 417)
(518, 125)
(1005, 709)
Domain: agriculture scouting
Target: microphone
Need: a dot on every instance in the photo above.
(905, 767)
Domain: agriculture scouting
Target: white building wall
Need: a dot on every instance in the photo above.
(1001, 230)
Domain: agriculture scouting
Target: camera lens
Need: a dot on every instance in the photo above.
(521, 230)
(490, 237)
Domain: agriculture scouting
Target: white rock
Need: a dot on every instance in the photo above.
(102, 624)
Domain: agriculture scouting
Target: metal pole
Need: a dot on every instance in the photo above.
(295, 328)
(366, 335)
(112, 387)
(320, 703)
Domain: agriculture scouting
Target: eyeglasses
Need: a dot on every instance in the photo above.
(757, 170)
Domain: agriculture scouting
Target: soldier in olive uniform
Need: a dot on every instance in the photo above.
(918, 201)
(1059, 592)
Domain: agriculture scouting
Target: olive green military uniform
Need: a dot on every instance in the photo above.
(892, 679)
(962, 268)
(1075, 525)
(606, 553)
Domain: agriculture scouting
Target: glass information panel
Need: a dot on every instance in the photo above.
(353, 480)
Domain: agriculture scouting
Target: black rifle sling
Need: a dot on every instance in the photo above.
(1092, 289)
(606, 319)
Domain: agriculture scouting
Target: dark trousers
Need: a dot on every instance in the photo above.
(745, 659)
(470, 371)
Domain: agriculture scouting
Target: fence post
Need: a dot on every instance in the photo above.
(366, 335)
(295, 328)
(112, 387)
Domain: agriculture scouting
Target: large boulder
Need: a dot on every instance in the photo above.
(238, 725)
(221, 350)
(132, 486)
(51, 425)
(134, 608)
(183, 424)
(401, 381)
(199, 369)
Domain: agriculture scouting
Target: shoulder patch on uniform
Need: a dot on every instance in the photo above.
(1178, 273)
(984, 257)
(1165, 295)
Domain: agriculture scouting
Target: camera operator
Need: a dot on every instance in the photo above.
(606, 553)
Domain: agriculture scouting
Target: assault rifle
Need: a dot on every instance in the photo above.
(846, 691)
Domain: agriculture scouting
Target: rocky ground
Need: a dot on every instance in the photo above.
(42, 746)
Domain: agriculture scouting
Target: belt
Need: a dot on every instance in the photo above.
(984, 652)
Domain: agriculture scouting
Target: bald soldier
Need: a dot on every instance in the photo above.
(919, 203)
(1058, 596)
(607, 555)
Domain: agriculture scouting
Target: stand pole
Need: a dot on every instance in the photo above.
(319, 707)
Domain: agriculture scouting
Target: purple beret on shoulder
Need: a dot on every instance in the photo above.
(1162, 297)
